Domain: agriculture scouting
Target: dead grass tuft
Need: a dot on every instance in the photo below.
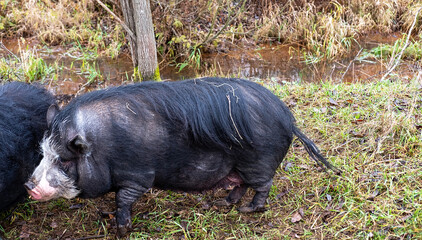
(63, 22)
(326, 29)
(186, 29)
(408, 18)
(53, 21)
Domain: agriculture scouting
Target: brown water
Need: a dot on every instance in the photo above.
(276, 62)
(284, 63)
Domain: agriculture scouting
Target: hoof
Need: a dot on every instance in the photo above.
(122, 231)
(250, 209)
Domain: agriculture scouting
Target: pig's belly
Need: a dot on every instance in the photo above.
(195, 174)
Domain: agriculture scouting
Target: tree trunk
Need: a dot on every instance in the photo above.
(137, 14)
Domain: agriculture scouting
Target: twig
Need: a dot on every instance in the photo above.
(62, 234)
(404, 47)
(212, 25)
(207, 39)
(347, 69)
(119, 20)
(7, 50)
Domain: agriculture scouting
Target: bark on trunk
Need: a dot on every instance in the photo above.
(137, 14)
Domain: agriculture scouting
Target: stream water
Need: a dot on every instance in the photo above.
(276, 62)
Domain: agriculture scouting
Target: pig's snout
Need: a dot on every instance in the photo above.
(41, 191)
(29, 185)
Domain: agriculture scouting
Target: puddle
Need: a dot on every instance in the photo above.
(276, 62)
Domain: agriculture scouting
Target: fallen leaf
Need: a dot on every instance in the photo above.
(54, 224)
(357, 121)
(206, 206)
(358, 135)
(292, 103)
(296, 217)
(333, 102)
(288, 166)
(76, 206)
(303, 166)
(374, 194)
(400, 103)
(301, 212)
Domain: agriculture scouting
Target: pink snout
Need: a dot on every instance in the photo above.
(35, 195)
(39, 192)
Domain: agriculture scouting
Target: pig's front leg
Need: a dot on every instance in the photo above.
(125, 197)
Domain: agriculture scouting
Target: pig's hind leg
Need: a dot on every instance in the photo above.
(259, 180)
(258, 175)
(258, 202)
(239, 189)
(234, 196)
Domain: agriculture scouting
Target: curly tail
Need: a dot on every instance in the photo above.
(313, 151)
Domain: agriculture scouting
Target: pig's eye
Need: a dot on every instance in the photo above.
(64, 163)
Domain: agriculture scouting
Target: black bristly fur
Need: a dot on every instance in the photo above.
(190, 135)
(23, 110)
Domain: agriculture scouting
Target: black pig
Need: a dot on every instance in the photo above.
(190, 135)
(23, 111)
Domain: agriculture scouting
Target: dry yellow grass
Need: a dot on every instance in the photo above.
(326, 29)
(54, 21)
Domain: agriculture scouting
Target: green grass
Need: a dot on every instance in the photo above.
(379, 154)
(368, 130)
(27, 67)
(90, 72)
(412, 52)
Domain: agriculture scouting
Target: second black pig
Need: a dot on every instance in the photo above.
(190, 135)
(23, 111)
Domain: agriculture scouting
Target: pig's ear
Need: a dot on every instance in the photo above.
(51, 113)
(78, 145)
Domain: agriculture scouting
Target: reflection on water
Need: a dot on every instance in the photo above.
(281, 62)
(276, 62)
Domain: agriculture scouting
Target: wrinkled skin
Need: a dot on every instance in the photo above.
(191, 135)
(23, 110)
